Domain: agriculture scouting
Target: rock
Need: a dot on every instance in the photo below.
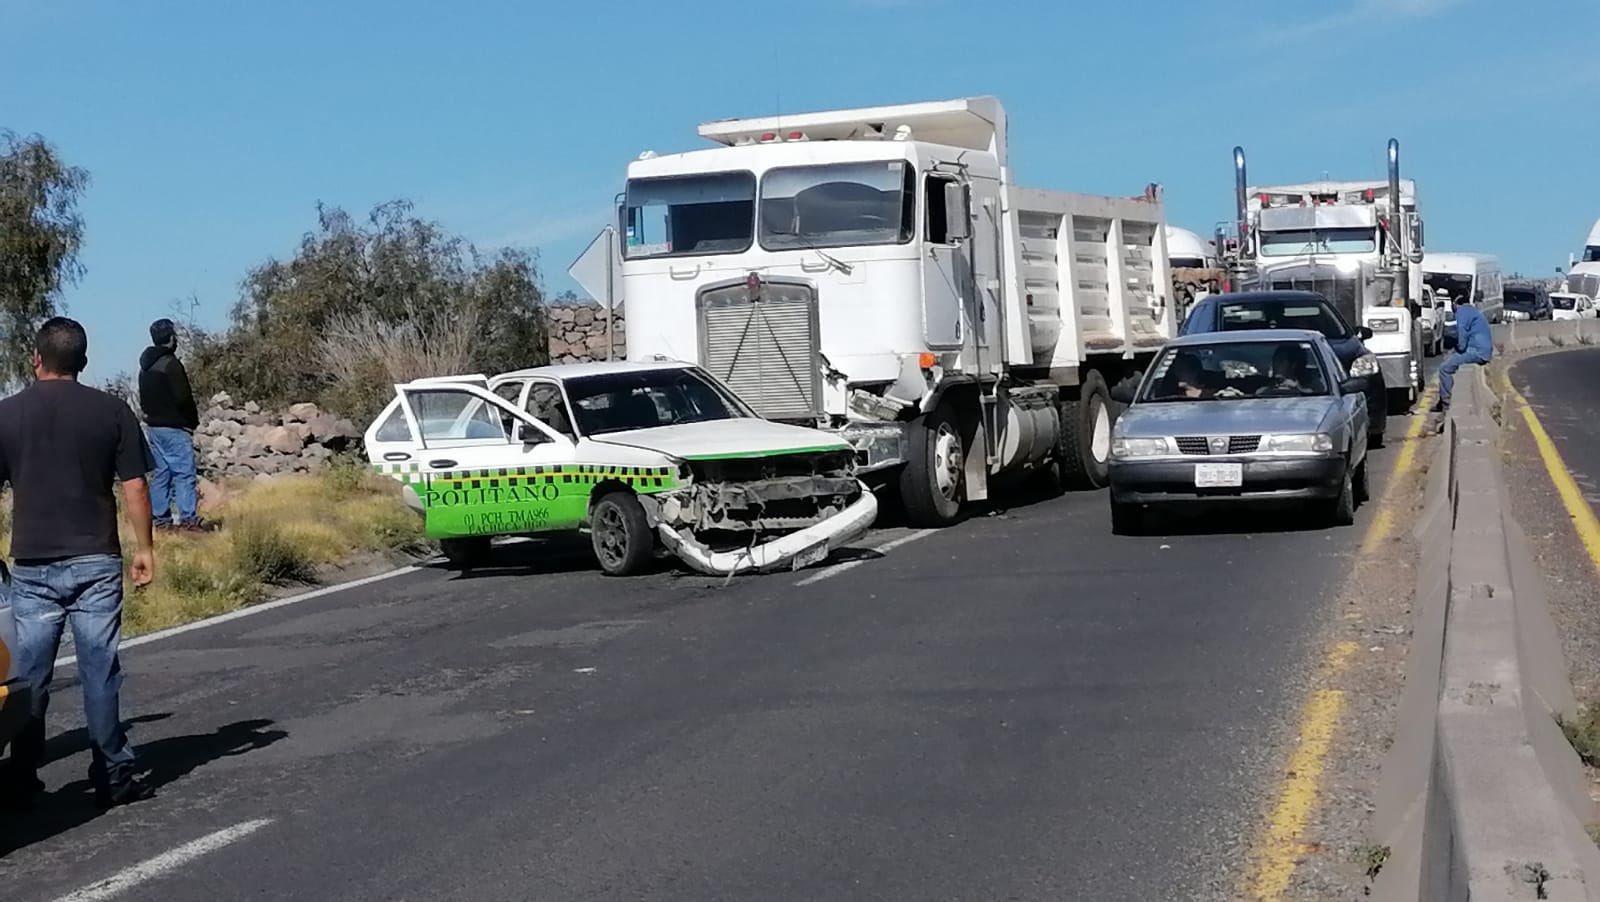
(213, 426)
(584, 316)
(260, 419)
(563, 314)
(219, 444)
(301, 431)
(327, 429)
(221, 399)
(315, 454)
(596, 344)
(280, 440)
(231, 429)
(240, 471)
(303, 413)
(252, 407)
(212, 495)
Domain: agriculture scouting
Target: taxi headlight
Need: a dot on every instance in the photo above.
(1139, 447)
(1317, 441)
(1365, 365)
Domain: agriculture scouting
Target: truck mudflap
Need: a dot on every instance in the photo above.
(794, 551)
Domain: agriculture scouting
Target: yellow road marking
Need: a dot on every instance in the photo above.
(1583, 518)
(1404, 460)
(1279, 849)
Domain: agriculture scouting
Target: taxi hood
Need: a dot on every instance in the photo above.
(739, 437)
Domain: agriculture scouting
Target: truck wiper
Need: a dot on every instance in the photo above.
(843, 267)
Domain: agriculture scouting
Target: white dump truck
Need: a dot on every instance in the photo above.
(877, 273)
(1358, 243)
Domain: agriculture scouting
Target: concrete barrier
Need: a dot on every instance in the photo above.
(1481, 796)
(1521, 337)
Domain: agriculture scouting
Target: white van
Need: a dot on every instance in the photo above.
(1450, 276)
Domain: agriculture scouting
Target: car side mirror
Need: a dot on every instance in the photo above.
(1365, 333)
(1354, 385)
(1125, 391)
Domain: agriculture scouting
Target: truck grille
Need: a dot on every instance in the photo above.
(766, 349)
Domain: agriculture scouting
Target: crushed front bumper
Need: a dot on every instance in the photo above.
(792, 551)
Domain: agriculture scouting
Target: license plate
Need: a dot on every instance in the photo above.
(1218, 476)
(816, 554)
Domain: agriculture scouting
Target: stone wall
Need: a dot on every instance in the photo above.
(245, 442)
(578, 333)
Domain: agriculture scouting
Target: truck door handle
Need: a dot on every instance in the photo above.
(688, 273)
(441, 464)
(397, 455)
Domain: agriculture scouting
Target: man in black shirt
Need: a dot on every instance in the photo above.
(170, 412)
(62, 445)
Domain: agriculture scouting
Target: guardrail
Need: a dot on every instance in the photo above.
(1481, 796)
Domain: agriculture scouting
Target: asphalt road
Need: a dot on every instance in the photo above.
(1023, 706)
(1564, 391)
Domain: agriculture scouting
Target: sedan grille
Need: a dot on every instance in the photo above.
(1236, 444)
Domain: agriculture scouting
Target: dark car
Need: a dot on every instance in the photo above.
(1528, 302)
(1244, 310)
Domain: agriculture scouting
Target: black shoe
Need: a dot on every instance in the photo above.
(125, 793)
(1440, 406)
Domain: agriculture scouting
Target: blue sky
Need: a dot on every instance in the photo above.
(212, 129)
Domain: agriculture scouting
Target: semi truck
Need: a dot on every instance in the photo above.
(1358, 243)
(1195, 270)
(879, 274)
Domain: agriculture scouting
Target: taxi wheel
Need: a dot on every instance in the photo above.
(623, 543)
(464, 554)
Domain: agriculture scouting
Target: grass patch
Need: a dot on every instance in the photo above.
(1584, 734)
(282, 532)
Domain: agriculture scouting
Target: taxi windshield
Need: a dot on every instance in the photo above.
(645, 399)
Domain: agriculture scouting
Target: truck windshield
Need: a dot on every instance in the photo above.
(837, 204)
(1564, 301)
(1591, 254)
(712, 213)
(1318, 241)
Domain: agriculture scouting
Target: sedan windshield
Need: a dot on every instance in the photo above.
(1521, 299)
(1283, 315)
(1227, 371)
(643, 399)
(1564, 301)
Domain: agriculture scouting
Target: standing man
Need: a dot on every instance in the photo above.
(1474, 344)
(170, 414)
(62, 445)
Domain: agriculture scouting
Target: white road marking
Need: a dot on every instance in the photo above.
(252, 610)
(165, 863)
(885, 548)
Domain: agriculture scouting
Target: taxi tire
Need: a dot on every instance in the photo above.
(465, 553)
(639, 543)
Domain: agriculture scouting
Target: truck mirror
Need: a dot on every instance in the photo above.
(957, 212)
(1416, 239)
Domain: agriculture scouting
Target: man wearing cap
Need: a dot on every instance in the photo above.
(170, 418)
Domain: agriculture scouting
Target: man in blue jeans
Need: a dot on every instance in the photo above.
(62, 445)
(171, 416)
(1474, 344)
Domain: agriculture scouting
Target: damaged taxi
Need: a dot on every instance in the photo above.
(650, 458)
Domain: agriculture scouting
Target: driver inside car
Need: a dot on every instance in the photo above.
(1288, 366)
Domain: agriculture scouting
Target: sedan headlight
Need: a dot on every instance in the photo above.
(1365, 365)
(1139, 447)
(1309, 442)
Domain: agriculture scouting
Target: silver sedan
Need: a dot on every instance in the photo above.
(1233, 417)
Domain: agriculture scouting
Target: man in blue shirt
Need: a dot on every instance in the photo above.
(1473, 345)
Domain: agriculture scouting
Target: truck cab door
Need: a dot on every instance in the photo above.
(945, 272)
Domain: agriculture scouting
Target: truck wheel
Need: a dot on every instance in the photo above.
(931, 483)
(1083, 450)
(621, 534)
(466, 553)
(1399, 401)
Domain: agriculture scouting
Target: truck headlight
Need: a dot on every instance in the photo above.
(1315, 441)
(1384, 324)
(1365, 365)
(1139, 447)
